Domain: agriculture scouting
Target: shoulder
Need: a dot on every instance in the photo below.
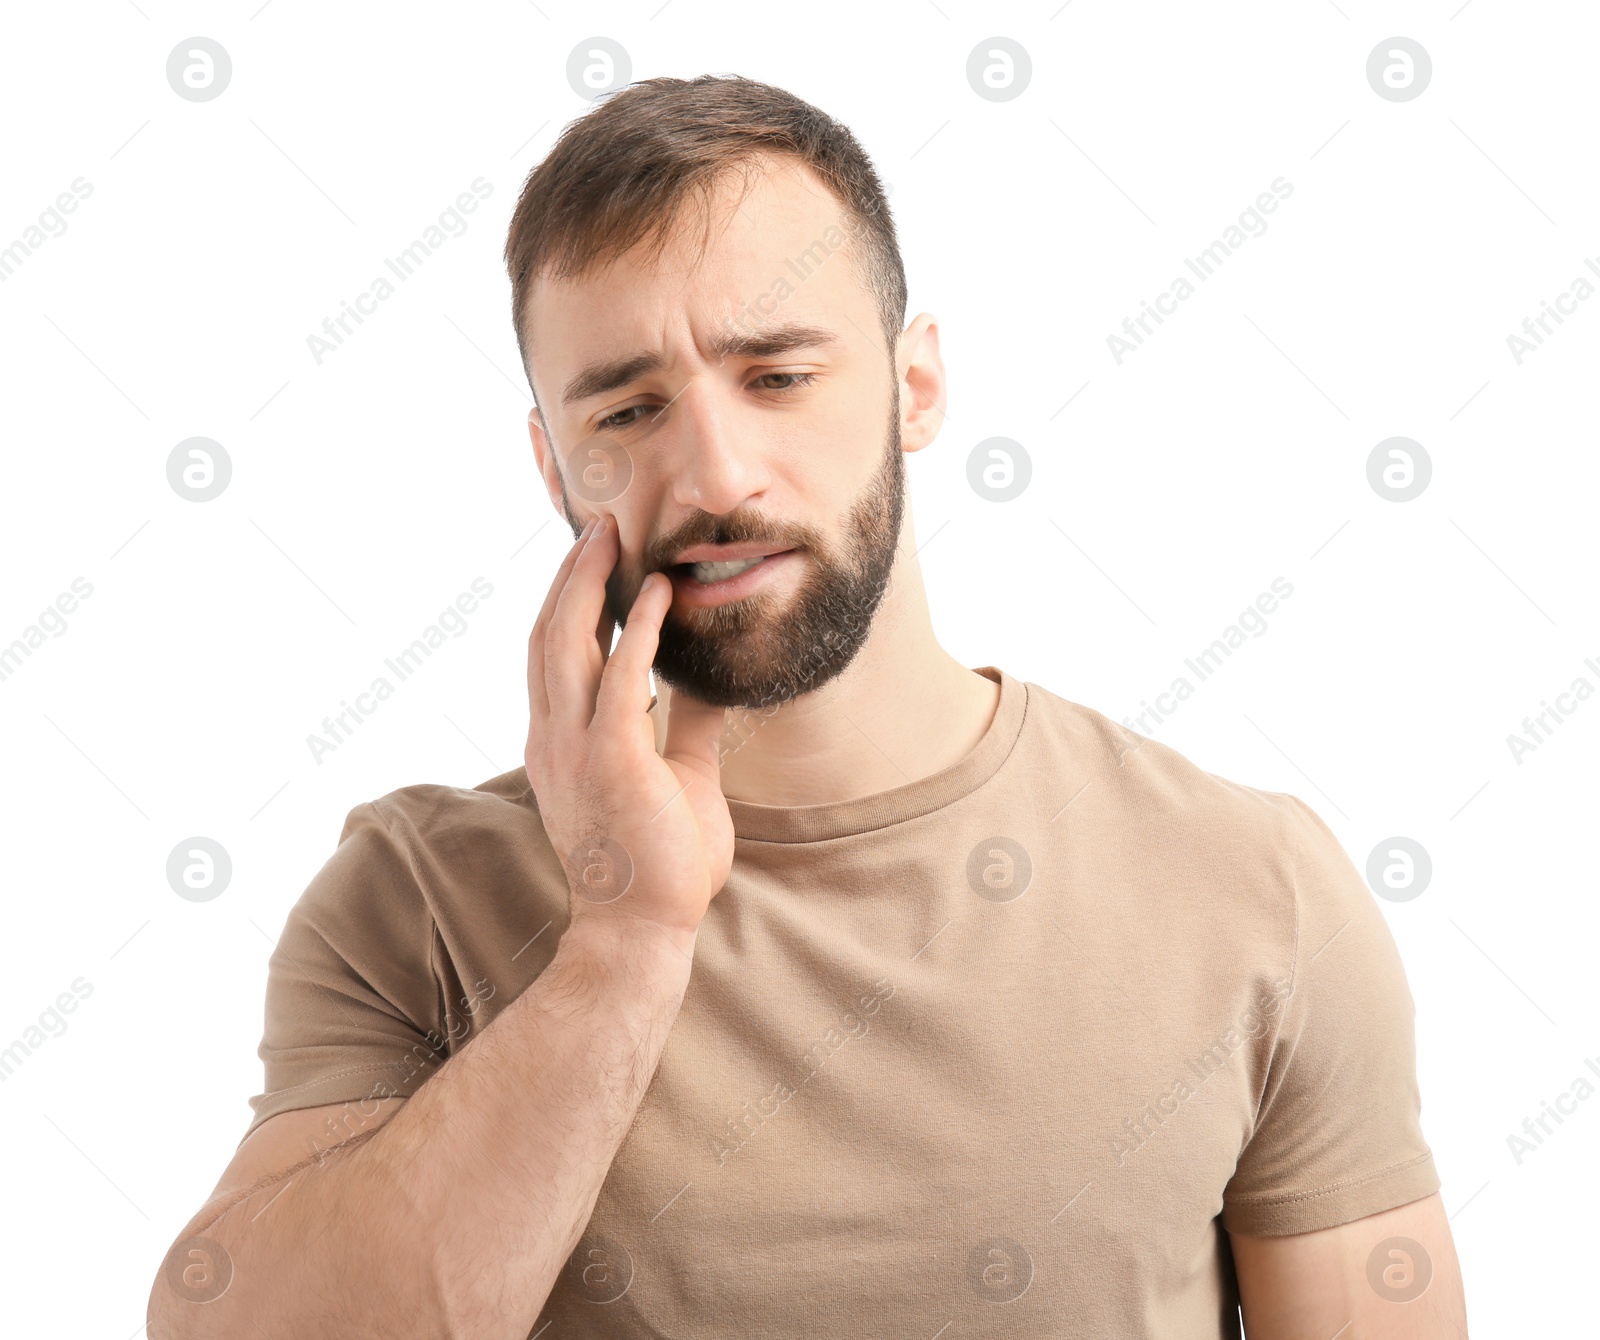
(484, 823)
(447, 844)
(1159, 789)
(1195, 852)
(431, 881)
(434, 812)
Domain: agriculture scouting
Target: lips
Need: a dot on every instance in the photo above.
(728, 553)
(717, 562)
(705, 583)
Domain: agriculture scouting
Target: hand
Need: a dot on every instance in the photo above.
(645, 838)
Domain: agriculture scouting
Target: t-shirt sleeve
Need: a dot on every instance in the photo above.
(1337, 1134)
(352, 1006)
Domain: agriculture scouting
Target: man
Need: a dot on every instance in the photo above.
(838, 989)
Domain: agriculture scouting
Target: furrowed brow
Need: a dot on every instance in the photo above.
(609, 374)
(772, 340)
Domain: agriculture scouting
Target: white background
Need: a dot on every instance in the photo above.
(369, 491)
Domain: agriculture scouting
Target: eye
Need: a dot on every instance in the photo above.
(633, 414)
(799, 379)
(617, 420)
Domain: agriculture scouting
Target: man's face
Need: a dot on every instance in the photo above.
(760, 412)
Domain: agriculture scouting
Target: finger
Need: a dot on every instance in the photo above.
(538, 700)
(572, 656)
(604, 631)
(624, 695)
(694, 734)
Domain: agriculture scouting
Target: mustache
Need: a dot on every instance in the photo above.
(721, 530)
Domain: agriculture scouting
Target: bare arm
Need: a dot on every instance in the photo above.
(455, 1215)
(1355, 1280)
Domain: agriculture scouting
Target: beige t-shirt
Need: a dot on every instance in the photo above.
(1002, 1051)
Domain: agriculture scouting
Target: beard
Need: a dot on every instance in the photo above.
(772, 646)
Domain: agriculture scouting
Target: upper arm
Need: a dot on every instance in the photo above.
(1336, 1136)
(352, 1001)
(1390, 1276)
(1335, 1168)
(351, 1028)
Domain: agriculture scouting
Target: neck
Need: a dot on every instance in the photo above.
(903, 709)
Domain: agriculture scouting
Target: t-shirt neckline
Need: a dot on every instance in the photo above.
(843, 818)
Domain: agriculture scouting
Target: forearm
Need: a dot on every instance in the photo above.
(456, 1216)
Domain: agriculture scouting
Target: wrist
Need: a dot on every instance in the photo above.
(612, 941)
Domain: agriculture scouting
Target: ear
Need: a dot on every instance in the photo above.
(922, 383)
(544, 454)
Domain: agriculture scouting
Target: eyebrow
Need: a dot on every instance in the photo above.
(611, 373)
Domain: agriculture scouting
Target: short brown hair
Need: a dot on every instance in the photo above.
(619, 175)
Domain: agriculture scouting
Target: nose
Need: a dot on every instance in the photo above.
(715, 464)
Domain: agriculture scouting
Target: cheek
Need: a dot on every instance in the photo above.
(634, 527)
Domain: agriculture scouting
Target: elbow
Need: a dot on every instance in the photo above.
(474, 1301)
(164, 1320)
(196, 1270)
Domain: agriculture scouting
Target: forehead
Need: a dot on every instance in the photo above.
(776, 248)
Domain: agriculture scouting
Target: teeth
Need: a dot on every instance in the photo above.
(720, 572)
